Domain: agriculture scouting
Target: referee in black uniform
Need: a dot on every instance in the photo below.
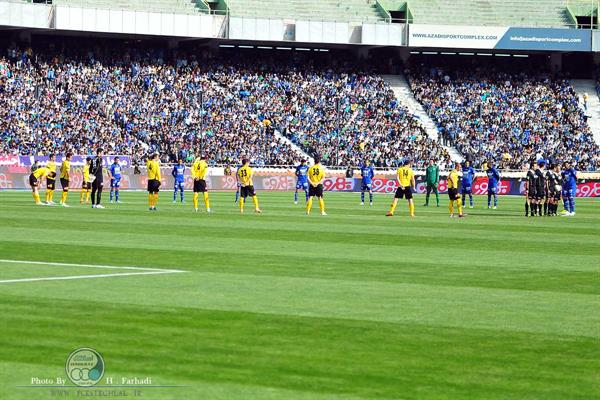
(96, 170)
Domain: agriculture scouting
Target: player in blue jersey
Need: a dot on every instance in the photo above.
(466, 188)
(115, 179)
(493, 182)
(367, 173)
(178, 174)
(301, 180)
(569, 188)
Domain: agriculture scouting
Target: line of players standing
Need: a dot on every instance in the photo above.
(543, 189)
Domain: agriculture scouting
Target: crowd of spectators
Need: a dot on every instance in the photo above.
(58, 104)
(349, 117)
(511, 118)
(134, 102)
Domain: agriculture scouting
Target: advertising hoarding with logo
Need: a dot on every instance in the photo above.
(18, 178)
(499, 38)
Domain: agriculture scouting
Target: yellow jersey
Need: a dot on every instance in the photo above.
(41, 172)
(65, 170)
(153, 170)
(199, 169)
(405, 176)
(52, 167)
(316, 173)
(244, 175)
(86, 173)
(453, 179)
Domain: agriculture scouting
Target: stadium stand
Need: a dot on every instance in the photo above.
(372, 123)
(543, 13)
(511, 117)
(329, 10)
(133, 102)
(548, 13)
(172, 6)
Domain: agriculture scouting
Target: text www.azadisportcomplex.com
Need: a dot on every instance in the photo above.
(454, 36)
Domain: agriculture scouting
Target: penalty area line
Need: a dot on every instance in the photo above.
(140, 271)
(65, 278)
(57, 264)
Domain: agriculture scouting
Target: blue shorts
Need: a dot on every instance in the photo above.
(493, 190)
(301, 185)
(115, 183)
(568, 193)
(178, 184)
(366, 187)
(465, 189)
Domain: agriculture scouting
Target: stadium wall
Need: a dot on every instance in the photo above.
(136, 22)
(17, 177)
(596, 41)
(26, 15)
(222, 26)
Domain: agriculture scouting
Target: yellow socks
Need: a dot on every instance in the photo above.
(88, 192)
(195, 201)
(50, 195)
(153, 200)
(411, 209)
(82, 196)
(207, 202)
(255, 201)
(63, 198)
(242, 204)
(36, 198)
(309, 204)
(393, 208)
(321, 204)
(458, 205)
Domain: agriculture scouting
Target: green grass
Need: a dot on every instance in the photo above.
(284, 306)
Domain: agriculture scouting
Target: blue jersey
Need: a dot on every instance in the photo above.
(493, 177)
(301, 173)
(367, 173)
(115, 171)
(468, 175)
(178, 173)
(569, 179)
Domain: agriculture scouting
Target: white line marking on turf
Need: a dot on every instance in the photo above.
(86, 265)
(142, 271)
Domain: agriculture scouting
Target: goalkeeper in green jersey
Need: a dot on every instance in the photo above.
(432, 178)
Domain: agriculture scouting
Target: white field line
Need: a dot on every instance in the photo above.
(142, 271)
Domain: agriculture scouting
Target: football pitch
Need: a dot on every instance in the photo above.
(352, 305)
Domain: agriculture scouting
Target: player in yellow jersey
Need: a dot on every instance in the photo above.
(86, 185)
(406, 185)
(199, 171)
(154, 179)
(316, 175)
(34, 181)
(65, 176)
(244, 177)
(51, 181)
(453, 191)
